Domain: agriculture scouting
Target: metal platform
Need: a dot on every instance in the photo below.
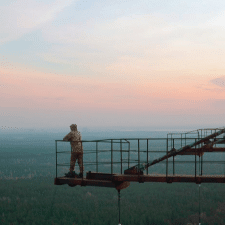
(101, 182)
(119, 181)
(196, 156)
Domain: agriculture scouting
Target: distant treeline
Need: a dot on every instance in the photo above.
(28, 194)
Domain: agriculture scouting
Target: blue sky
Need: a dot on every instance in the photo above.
(112, 63)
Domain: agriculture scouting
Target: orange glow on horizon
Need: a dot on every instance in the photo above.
(33, 89)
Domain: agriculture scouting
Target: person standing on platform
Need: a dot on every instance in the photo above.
(77, 151)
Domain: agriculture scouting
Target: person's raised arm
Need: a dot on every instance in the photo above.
(67, 137)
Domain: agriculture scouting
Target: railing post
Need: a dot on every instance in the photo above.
(147, 156)
(173, 160)
(195, 160)
(129, 155)
(121, 156)
(201, 164)
(82, 161)
(56, 158)
(111, 156)
(96, 156)
(181, 141)
(167, 157)
(138, 157)
(201, 137)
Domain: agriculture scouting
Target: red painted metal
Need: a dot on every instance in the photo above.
(201, 145)
(119, 181)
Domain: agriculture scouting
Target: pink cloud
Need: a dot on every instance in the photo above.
(26, 88)
(219, 81)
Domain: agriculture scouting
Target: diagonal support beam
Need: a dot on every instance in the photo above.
(174, 153)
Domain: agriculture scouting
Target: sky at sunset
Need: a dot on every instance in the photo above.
(131, 64)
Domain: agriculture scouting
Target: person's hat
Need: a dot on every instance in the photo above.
(73, 126)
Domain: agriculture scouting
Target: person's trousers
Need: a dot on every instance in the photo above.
(74, 157)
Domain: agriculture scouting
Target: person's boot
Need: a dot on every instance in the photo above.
(75, 175)
(71, 174)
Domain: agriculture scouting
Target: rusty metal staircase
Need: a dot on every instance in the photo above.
(186, 150)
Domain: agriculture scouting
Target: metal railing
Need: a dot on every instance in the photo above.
(116, 155)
